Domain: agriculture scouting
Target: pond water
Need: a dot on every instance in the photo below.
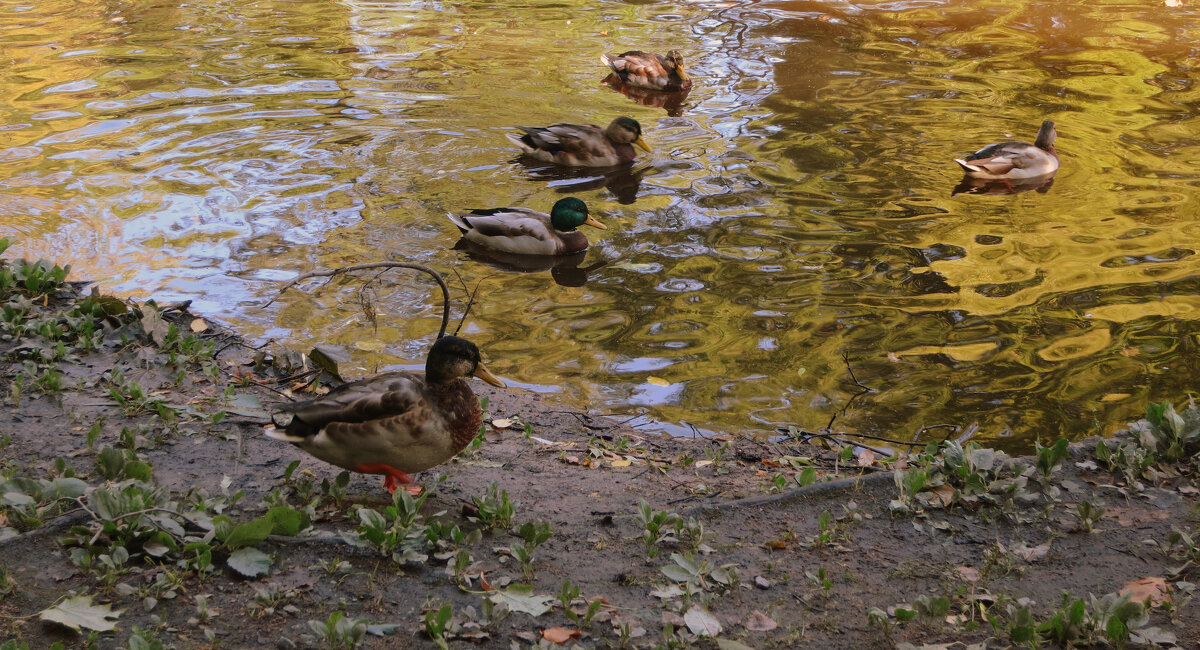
(794, 235)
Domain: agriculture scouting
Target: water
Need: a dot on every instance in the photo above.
(793, 237)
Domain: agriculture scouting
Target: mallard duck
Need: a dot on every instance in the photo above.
(649, 70)
(396, 422)
(529, 232)
(584, 145)
(1011, 160)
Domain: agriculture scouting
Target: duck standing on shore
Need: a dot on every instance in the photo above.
(394, 423)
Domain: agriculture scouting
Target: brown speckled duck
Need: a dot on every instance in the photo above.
(1014, 160)
(394, 423)
(583, 145)
(650, 70)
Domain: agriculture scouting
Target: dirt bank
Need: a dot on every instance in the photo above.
(979, 551)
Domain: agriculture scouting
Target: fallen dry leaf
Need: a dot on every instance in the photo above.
(198, 325)
(970, 574)
(866, 458)
(560, 635)
(483, 583)
(1031, 553)
(502, 423)
(757, 621)
(1151, 587)
(624, 462)
(775, 544)
(944, 494)
(1134, 516)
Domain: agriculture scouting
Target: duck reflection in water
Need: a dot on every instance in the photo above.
(969, 185)
(564, 269)
(623, 181)
(670, 101)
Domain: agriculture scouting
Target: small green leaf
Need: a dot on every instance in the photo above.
(250, 533)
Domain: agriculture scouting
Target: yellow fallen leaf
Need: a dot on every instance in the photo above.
(560, 635)
(624, 462)
(198, 325)
(1151, 587)
(657, 381)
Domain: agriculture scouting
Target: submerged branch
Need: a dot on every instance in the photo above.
(333, 273)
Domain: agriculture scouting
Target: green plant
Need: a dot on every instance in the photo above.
(495, 510)
(534, 535)
(1088, 515)
(7, 584)
(1048, 459)
(399, 532)
(435, 625)
(655, 523)
(134, 400)
(338, 631)
(699, 576)
(1170, 435)
(567, 596)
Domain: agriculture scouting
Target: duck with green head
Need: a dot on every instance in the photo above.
(583, 145)
(522, 231)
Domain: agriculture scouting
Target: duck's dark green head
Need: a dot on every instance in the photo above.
(571, 213)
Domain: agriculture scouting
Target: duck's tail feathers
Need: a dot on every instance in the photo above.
(607, 59)
(517, 140)
(967, 167)
(458, 221)
(280, 434)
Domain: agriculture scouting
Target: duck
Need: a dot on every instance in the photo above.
(522, 231)
(1014, 160)
(394, 423)
(650, 70)
(583, 145)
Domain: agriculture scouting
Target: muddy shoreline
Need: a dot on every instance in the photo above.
(744, 555)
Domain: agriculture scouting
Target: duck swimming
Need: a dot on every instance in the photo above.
(522, 231)
(583, 145)
(1013, 160)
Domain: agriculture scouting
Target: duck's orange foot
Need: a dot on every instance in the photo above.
(392, 477)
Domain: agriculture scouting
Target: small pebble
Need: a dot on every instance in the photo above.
(761, 582)
(285, 643)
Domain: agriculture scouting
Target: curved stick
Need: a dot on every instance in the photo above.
(378, 265)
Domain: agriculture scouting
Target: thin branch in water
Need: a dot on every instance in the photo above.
(333, 273)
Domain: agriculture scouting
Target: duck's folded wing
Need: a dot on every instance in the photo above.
(509, 222)
(383, 396)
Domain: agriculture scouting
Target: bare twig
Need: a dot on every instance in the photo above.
(332, 273)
